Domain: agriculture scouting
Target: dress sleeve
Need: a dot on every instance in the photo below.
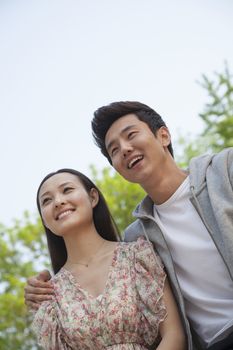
(47, 328)
(150, 278)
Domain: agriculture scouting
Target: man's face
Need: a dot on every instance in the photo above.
(136, 153)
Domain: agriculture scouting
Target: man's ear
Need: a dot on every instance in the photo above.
(164, 136)
(94, 196)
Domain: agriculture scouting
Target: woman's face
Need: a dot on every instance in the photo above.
(65, 204)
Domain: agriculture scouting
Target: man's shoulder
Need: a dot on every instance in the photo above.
(133, 231)
(206, 157)
(222, 160)
(225, 154)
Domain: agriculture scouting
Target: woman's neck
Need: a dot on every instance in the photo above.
(83, 244)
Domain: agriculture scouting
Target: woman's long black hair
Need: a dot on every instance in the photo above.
(103, 220)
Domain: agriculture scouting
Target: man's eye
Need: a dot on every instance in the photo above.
(131, 134)
(114, 150)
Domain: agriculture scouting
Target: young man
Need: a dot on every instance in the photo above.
(187, 215)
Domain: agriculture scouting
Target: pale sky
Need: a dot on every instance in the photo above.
(61, 59)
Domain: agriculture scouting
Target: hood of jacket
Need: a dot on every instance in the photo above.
(197, 171)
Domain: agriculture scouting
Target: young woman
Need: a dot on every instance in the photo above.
(107, 294)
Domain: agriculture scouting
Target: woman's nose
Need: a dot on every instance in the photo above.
(59, 200)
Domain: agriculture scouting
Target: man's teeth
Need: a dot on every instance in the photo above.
(133, 161)
(64, 214)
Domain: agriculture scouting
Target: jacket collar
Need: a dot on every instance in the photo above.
(144, 208)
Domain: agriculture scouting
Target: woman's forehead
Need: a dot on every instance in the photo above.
(57, 180)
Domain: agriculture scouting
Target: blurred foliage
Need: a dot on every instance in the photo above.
(190, 146)
(23, 251)
(218, 112)
(217, 117)
(121, 195)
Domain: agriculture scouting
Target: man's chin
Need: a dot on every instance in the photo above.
(134, 179)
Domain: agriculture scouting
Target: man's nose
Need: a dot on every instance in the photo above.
(126, 149)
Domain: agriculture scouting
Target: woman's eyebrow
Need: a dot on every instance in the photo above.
(60, 186)
(44, 194)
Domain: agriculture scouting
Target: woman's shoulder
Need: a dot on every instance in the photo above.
(48, 308)
(61, 283)
(142, 252)
(58, 276)
(140, 244)
(134, 250)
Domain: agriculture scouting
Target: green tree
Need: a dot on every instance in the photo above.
(121, 195)
(189, 146)
(218, 111)
(217, 117)
(23, 251)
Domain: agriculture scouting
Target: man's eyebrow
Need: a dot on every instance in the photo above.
(124, 130)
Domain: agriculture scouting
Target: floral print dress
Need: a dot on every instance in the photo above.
(125, 316)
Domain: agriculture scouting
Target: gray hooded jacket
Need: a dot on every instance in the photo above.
(211, 187)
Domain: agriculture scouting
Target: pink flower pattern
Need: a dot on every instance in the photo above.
(125, 316)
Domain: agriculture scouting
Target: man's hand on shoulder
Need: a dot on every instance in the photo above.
(38, 289)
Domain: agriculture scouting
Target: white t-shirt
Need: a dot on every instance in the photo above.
(203, 277)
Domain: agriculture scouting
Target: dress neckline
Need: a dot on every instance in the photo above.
(74, 280)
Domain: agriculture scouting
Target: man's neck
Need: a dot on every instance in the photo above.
(160, 189)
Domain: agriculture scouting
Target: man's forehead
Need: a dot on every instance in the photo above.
(119, 127)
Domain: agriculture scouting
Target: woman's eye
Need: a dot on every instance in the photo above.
(45, 200)
(67, 189)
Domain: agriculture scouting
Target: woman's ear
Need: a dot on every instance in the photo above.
(94, 196)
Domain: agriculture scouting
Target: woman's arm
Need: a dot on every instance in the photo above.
(38, 289)
(47, 327)
(171, 330)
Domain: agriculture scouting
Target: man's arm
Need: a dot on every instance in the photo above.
(38, 289)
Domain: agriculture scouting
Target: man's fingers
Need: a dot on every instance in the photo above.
(36, 298)
(32, 290)
(38, 289)
(36, 283)
(44, 276)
